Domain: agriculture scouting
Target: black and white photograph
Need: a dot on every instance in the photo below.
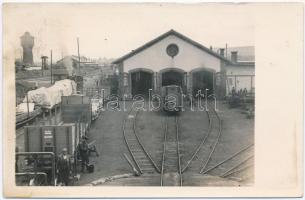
(132, 94)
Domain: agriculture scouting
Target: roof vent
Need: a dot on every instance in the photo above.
(234, 56)
(222, 52)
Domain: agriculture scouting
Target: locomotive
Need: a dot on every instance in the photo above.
(172, 98)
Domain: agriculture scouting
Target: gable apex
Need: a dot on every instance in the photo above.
(164, 35)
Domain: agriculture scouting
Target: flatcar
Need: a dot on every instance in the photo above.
(172, 98)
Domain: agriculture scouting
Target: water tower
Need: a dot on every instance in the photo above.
(27, 43)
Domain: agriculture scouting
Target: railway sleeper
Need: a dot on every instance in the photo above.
(148, 169)
(140, 157)
(140, 154)
(171, 150)
(136, 150)
(145, 162)
(173, 164)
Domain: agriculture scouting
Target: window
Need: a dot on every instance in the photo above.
(172, 50)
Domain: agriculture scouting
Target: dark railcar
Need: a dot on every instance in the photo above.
(172, 98)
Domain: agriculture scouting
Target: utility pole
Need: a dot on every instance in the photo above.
(42, 65)
(78, 56)
(226, 50)
(27, 104)
(51, 69)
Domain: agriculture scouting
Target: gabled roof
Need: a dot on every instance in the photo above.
(245, 63)
(245, 53)
(179, 35)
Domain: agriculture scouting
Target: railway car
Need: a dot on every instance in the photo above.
(172, 98)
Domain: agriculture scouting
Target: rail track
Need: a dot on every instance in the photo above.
(234, 166)
(139, 154)
(171, 172)
(202, 154)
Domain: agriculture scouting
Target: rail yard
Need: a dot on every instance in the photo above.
(113, 124)
(158, 100)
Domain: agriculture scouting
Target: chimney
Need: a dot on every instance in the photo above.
(222, 52)
(234, 56)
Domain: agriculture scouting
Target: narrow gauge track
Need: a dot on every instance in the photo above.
(235, 164)
(202, 154)
(171, 173)
(240, 172)
(140, 156)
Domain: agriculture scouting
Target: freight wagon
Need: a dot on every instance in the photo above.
(76, 108)
(52, 138)
(42, 146)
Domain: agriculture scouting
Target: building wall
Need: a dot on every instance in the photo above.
(240, 77)
(189, 58)
(240, 70)
(156, 58)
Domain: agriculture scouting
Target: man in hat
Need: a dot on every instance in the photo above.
(84, 152)
(63, 167)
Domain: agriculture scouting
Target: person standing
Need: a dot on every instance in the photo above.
(233, 91)
(245, 92)
(84, 152)
(64, 167)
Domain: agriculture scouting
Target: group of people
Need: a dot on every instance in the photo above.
(241, 92)
(64, 168)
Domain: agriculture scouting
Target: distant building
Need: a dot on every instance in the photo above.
(107, 70)
(60, 74)
(70, 63)
(245, 53)
(27, 43)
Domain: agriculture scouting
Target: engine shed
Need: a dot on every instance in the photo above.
(174, 59)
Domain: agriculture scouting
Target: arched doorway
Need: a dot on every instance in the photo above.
(202, 79)
(172, 76)
(141, 81)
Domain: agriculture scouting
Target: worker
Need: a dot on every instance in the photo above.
(16, 159)
(92, 148)
(233, 91)
(84, 152)
(239, 92)
(245, 92)
(64, 167)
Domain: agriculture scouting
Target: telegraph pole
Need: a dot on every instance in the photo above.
(226, 50)
(42, 65)
(27, 104)
(78, 56)
(51, 69)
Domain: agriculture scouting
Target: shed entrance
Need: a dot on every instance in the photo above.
(141, 82)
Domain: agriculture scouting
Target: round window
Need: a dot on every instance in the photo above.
(172, 50)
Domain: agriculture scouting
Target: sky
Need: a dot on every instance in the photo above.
(113, 30)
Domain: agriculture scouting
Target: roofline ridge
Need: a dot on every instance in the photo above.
(164, 35)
